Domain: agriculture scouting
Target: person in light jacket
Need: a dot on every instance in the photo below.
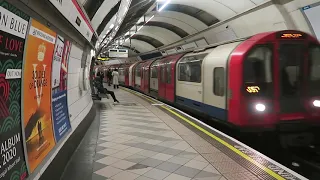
(115, 76)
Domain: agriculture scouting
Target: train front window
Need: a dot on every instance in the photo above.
(314, 77)
(257, 71)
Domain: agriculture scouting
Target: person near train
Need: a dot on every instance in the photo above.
(115, 75)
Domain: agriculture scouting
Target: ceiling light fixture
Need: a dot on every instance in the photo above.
(150, 19)
(163, 6)
(140, 28)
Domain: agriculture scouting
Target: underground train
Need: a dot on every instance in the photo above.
(266, 81)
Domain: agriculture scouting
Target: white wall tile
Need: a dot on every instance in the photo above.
(73, 80)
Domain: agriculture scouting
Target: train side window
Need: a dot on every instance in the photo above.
(190, 68)
(168, 73)
(218, 81)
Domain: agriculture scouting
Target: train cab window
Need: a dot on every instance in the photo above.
(218, 81)
(168, 73)
(257, 70)
(190, 68)
(314, 61)
(257, 66)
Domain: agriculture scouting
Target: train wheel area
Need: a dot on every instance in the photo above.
(231, 158)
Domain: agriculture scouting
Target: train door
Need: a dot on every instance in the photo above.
(130, 75)
(163, 80)
(142, 78)
(291, 64)
(126, 76)
(154, 78)
(137, 76)
(146, 78)
(169, 81)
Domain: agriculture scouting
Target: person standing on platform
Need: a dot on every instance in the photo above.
(115, 76)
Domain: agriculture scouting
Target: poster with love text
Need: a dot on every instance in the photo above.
(13, 30)
(37, 117)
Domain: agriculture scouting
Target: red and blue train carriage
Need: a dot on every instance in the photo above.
(264, 81)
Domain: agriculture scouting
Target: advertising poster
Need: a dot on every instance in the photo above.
(56, 62)
(37, 93)
(13, 29)
(60, 112)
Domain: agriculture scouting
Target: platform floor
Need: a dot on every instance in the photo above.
(137, 140)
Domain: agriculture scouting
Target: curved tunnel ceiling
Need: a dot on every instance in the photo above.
(177, 20)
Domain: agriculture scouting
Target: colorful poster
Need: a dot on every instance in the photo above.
(13, 29)
(37, 93)
(60, 113)
(56, 62)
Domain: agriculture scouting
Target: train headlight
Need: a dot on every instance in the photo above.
(260, 107)
(316, 103)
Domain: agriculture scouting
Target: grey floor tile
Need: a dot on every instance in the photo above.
(157, 174)
(123, 164)
(97, 177)
(172, 151)
(176, 177)
(108, 171)
(179, 160)
(137, 166)
(204, 174)
(157, 148)
(169, 167)
(187, 171)
(147, 153)
(143, 178)
(151, 162)
(188, 155)
(97, 166)
(99, 156)
(125, 175)
(136, 158)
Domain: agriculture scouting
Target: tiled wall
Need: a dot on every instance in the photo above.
(77, 100)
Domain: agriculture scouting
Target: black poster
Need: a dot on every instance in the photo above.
(13, 29)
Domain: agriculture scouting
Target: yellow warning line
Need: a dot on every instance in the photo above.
(267, 170)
